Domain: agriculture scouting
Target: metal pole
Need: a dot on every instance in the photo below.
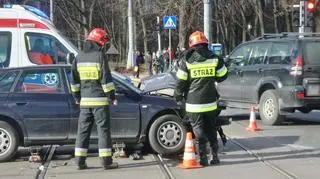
(207, 15)
(170, 48)
(51, 10)
(130, 24)
(302, 16)
(159, 36)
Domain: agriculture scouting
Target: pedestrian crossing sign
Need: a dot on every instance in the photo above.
(170, 22)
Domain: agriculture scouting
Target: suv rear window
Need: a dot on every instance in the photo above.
(312, 52)
(5, 48)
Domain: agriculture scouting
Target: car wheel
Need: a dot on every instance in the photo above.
(269, 108)
(167, 135)
(8, 141)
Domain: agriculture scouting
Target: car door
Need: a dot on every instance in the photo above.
(125, 117)
(254, 70)
(41, 101)
(230, 89)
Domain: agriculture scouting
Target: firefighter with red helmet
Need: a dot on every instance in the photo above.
(197, 74)
(92, 87)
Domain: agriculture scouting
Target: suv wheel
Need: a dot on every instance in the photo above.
(8, 141)
(167, 135)
(269, 108)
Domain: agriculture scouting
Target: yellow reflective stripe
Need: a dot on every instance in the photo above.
(182, 75)
(88, 64)
(75, 88)
(100, 101)
(222, 71)
(208, 63)
(80, 152)
(105, 152)
(198, 108)
(108, 87)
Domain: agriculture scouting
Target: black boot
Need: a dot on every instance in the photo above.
(81, 163)
(214, 155)
(107, 163)
(114, 165)
(201, 149)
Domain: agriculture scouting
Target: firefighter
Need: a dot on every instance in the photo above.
(92, 87)
(198, 71)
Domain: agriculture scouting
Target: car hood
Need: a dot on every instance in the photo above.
(158, 82)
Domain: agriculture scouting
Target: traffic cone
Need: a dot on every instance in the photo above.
(189, 156)
(253, 124)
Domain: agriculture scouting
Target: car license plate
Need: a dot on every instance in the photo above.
(313, 90)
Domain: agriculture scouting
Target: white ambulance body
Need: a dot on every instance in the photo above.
(27, 37)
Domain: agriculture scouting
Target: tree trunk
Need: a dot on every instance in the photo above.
(244, 24)
(275, 17)
(260, 16)
(256, 22)
(285, 4)
(143, 24)
(91, 9)
(83, 17)
(182, 23)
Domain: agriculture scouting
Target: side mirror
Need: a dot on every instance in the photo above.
(70, 58)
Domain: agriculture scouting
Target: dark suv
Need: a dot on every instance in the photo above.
(279, 73)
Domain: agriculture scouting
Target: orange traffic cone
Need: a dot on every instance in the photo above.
(189, 156)
(253, 124)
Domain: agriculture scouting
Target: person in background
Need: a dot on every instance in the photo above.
(148, 59)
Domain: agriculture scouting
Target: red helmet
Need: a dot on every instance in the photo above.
(98, 35)
(196, 38)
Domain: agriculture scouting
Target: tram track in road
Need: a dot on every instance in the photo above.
(163, 167)
(42, 170)
(260, 158)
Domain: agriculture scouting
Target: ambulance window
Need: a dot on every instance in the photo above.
(5, 48)
(45, 49)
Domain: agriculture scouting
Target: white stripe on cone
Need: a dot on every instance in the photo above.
(189, 156)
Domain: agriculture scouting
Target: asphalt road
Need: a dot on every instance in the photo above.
(289, 150)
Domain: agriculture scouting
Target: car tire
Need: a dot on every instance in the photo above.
(8, 141)
(269, 108)
(167, 135)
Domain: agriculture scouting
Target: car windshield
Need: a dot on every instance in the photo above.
(126, 80)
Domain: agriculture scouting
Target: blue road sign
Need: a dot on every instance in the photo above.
(169, 22)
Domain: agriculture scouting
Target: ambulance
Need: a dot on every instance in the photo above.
(28, 37)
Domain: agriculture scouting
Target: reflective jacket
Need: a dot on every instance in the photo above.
(197, 74)
(91, 82)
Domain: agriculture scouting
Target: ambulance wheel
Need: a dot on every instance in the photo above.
(167, 135)
(8, 141)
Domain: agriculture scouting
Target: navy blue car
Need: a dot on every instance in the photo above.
(37, 108)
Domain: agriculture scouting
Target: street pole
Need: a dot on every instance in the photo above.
(130, 24)
(170, 51)
(159, 36)
(51, 10)
(207, 15)
(302, 16)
